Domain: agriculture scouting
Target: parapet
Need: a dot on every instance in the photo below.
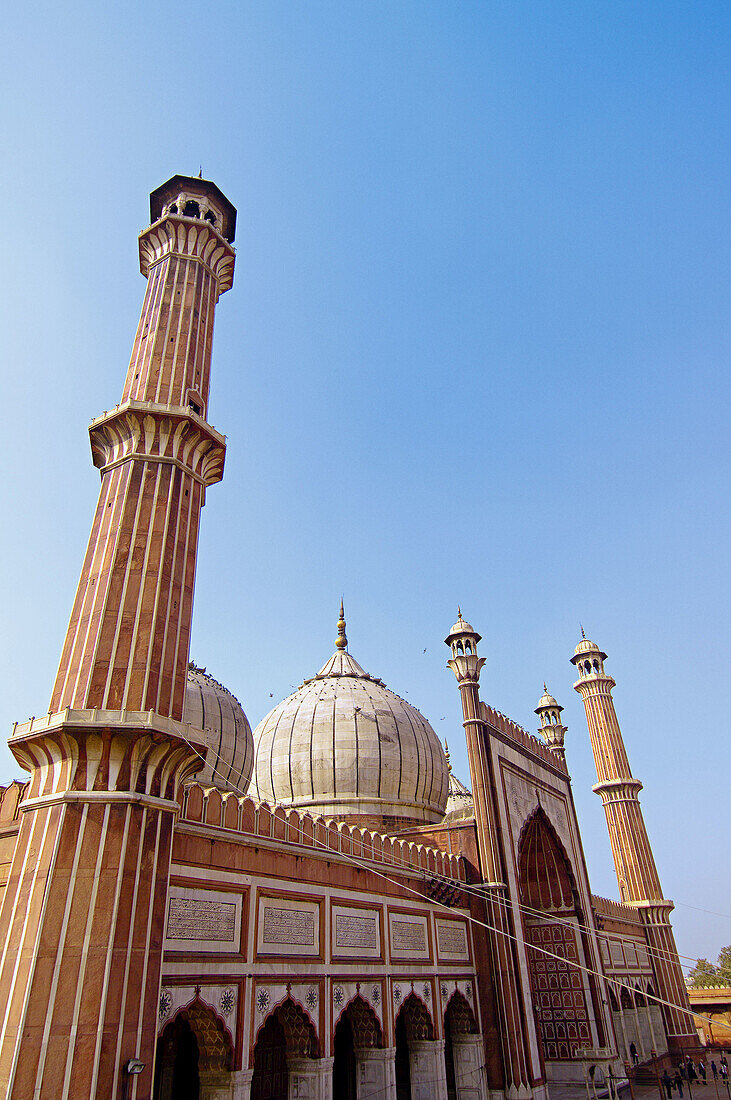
(528, 741)
(244, 815)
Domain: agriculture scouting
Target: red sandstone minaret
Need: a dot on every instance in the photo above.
(81, 924)
(639, 883)
(467, 665)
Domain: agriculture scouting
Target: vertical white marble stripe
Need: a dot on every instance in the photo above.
(140, 595)
(84, 959)
(14, 915)
(91, 592)
(151, 905)
(108, 963)
(128, 957)
(147, 475)
(58, 960)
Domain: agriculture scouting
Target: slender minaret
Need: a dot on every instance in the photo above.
(467, 665)
(82, 919)
(552, 732)
(639, 883)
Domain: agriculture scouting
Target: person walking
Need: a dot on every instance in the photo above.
(702, 1070)
(668, 1084)
(678, 1082)
(692, 1075)
(714, 1070)
(633, 1054)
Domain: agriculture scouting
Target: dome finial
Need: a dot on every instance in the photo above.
(446, 753)
(583, 635)
(545, 689)
(341, 642)
(459, 612)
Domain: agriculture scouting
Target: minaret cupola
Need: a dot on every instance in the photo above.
(588, 658)
(195, 198)
(462, 640)
(551, 730)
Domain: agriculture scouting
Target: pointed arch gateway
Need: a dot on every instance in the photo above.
(551, 917)
(413, 1024)
(194, 1045)
(357, 1031)
(459, 1021)
(286, 1035)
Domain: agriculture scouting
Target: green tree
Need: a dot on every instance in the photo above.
(705, 973)
(724, 965)
(702, 975)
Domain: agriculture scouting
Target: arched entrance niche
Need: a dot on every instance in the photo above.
(286, 1040)
(357, 1036)
(551, 920)
(414, 1029)
(194, 1051)
(461, 1065)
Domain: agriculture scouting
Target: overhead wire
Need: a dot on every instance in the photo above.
(416, 873)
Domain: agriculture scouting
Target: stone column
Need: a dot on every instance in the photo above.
(428, 1071)
(376, 1073)
(470, 1076)
(310, 1078)
(215, 1085)
(241, 1084)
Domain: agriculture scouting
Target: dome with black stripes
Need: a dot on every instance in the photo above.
(210, 707)
(345, 746)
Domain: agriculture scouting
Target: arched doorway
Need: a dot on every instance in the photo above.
(194, 1046)
(551, 920)
(413, 1024)
(287, 1035)
(176, 1064)
(458, 1022)
(270, 1080)
(344, 1086)
(358, 1032)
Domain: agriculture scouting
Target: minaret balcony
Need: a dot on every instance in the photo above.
(150, 432)
(193, 239)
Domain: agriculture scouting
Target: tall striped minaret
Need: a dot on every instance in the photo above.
(521, 1070)
(639, 883)
(82, 919)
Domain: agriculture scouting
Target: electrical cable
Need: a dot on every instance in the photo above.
(469, 917)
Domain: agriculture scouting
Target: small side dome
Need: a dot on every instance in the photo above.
(210, 707)
(546, 700)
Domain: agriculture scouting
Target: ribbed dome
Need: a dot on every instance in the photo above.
(213, 709)
(345, 746)
(460, 803)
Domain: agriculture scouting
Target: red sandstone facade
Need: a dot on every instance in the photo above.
(155, 930)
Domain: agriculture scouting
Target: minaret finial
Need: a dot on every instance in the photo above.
(341, 642)
(446, 753)
(459, 612)
(200, 172)
(545, 689)
(583, 635)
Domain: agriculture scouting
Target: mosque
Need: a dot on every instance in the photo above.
(318, 908)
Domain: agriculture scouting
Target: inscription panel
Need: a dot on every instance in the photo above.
(409, 936)
(356, 933)
(203, 920)
(288, 927)
(452, 942)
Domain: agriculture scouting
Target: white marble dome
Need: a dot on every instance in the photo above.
(346, 747)
(210, 707)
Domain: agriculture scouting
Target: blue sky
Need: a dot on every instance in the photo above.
(475, 353)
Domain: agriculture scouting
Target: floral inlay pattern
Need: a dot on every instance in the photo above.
(166, 1003)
